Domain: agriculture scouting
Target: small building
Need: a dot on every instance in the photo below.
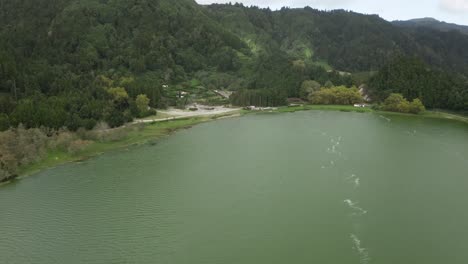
(182, 94)
(361, 105)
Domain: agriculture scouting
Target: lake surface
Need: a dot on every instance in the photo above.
(306, 187)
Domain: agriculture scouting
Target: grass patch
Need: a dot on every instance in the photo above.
(445, 115)
(350, 108)
(343, 108)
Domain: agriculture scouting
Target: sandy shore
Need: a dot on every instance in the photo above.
(172, 113)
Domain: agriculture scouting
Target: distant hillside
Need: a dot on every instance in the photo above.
(344, 40)
(75, 62)
(431, 23)
(69, 53)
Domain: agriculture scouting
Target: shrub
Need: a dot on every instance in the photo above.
(397, 103)
(142, 103)
(18, 147)
(417, 106)
(340, 95)
(77, 146)
(4, 122)
(63, 139)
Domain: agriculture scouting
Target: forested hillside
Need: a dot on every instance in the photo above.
(412, 78)
(70, 54)
(431, 23)
(347, 41)
(75, 62)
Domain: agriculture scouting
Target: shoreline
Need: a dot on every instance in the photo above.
(149, 132)
(156, 129)
(345, 108)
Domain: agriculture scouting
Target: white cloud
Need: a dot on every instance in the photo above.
(457, 6)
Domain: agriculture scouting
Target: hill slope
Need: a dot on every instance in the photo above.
(431, 23)
(75, 62)
(66, 48)
(347, 41)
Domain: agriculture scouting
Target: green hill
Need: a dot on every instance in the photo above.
(433, 23)
(64, 62)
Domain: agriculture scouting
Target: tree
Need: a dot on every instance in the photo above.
(395, 103)
(115, 118)
(340, 95)
(118, 93)
(328, 84)
(25, 113)
(142, 103)
(258, 97)
(4, 122)
(120, 98)
(307, 88)
(416, 106)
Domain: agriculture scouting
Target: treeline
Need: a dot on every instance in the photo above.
(336, 96)
(259, 97)
(278, 71)
(413, 79)
(103, 102)
(286, 79)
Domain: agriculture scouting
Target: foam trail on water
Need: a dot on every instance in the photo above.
(351, 177)
(354, 206)
(363, 252)
(386, 118)
(357, 182)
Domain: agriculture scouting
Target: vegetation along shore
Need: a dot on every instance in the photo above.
(65, 146)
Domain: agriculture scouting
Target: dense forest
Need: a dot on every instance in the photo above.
(70, 63)
(412, 78)
(429, 22)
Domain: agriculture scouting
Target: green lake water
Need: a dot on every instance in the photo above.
(306, 187)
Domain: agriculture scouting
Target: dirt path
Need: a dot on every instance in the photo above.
(172, 113)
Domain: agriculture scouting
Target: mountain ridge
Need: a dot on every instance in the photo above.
(431, 23)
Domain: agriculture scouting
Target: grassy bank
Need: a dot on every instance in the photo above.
(350, 108)
(342, 108)
(136, 134)
(446, 115)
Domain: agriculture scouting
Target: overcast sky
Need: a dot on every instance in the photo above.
(454, 11)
